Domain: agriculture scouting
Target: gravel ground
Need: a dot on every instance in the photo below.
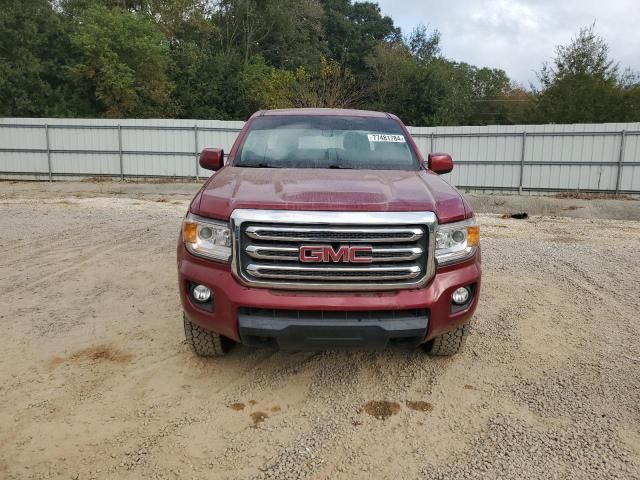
(96, 381)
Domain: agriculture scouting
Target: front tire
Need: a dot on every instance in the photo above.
(448, 343)
(204, 343)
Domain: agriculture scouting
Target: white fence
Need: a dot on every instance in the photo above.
(596, 157)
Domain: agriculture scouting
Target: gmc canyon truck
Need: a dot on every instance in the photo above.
(324, 229)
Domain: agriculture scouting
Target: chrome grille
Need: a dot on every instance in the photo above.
(335, 273)
(332, 234)
(267, 245)
(290, 253)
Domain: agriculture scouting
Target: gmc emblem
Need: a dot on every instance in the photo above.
(344, 254)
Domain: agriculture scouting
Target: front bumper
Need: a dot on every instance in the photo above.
(328, 329)
(231, 300)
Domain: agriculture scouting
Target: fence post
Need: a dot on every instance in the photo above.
(524, 146)
(431, 147)
(623, 136)
(46, 133)
(195, 149)
(120, 152)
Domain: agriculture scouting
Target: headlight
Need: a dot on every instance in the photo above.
(456, 241)
(207, 238)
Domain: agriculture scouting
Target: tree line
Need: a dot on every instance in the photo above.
(224, 59)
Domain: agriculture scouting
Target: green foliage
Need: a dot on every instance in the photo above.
(580, 98)
(424, 46)
(268, 87)
(33, 45)
(631, 97)
(206, 77)
(587, 54)
(227, 58)
(208, 84)
(353, 30)
(121, 63)
(332, 86)
(411, 81)
(285, 32)
(583, 85)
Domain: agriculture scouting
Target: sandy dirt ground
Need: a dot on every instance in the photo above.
(97, 382)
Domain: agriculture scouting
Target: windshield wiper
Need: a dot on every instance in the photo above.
(268, 165)
(255, 165)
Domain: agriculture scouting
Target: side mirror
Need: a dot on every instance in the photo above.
(211, 158)
(440, 163)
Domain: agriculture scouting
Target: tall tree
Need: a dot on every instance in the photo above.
(332, 86)
(412, 80)
(122, 64)
(490, 88)
(293, 32)
(581, 85)
(76, 7)
(285, 32)
(225, 58)
(424, 45)
(267, 87)
(34, 46)
(205, 77)
(352, 31)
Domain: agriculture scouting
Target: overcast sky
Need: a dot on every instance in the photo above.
(518, 35)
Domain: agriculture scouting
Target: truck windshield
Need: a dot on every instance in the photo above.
(297, 141)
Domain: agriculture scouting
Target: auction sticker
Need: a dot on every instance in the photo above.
(386, 137)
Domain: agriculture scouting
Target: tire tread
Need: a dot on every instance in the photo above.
(448, 343)
(204, 343)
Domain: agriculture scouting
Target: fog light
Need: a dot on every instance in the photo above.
(201, 293)
(460, 296)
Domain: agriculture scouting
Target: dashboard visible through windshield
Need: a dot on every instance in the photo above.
(297, 141)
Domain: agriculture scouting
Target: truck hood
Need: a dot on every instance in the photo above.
(332, 190)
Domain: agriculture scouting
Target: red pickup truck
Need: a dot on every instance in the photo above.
(327, 229)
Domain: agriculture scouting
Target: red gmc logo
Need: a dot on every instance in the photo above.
(326, 253)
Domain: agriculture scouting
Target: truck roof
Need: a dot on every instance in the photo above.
(344, 112)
